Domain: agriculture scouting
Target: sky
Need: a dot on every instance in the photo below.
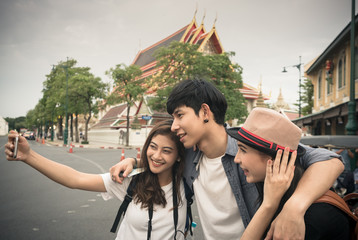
(266, 35)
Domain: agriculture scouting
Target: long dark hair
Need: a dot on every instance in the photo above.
(296, 178)
(147, 190)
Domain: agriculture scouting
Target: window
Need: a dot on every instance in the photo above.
(329, 87)
(319, 86)
(342, 71)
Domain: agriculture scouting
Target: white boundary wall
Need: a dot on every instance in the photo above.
(112, 136)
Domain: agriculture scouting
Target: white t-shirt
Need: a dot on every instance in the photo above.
(135, 222)
(219, 214)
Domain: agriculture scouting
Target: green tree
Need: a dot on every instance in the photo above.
(88, 92)
(54, 92)
(182, 61)
(307, 97)
(16, 123)
(128, 88)
(85, 91)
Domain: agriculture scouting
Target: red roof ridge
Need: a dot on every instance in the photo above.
(170, 36)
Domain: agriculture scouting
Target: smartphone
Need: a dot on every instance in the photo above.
(16, 143)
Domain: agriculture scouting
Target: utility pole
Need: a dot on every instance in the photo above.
(351, 126)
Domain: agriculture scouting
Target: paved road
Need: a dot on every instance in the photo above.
(32, 207)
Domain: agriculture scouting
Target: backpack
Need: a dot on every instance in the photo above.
(344, 204)
(129, 196)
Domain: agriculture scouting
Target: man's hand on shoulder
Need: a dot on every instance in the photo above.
(125, 166)
(288, 225)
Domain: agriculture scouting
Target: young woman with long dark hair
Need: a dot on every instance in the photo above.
(159, 188)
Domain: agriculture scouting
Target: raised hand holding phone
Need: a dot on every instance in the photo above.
(17, 148)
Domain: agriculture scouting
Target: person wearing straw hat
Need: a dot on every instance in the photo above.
(225, 200)
(265, 135)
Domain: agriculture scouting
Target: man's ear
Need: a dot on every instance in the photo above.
(206, 111)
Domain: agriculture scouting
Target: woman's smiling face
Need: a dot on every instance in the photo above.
(162, 154)
(252, 162)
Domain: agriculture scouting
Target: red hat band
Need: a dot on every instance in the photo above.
(256, 140)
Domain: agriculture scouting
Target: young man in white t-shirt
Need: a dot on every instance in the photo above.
(226, 202)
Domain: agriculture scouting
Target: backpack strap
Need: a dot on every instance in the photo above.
(129, 196)
(150, 213)
(175, 206)
(334, 199)
(123, 208)
(350, 196)
(189, 198)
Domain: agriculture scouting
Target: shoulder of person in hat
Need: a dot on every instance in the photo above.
(316, 181)
(323, 168)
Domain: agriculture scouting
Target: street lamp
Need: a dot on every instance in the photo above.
(298, 66)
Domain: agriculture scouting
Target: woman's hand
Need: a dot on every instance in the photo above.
(23, 149)
(279, 174)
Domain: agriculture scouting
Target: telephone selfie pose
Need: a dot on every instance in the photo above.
(226, 201)
(158, 193)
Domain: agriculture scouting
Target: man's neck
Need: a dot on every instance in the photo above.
(214, 142)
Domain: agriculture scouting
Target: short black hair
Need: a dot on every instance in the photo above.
(193, 93)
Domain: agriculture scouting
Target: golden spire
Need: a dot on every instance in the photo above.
(202, 21)
(196, 10)
(216, 18)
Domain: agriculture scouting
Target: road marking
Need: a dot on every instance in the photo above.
(92, 162)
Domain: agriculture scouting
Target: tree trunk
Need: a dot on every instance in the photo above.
(76, 129)
(127, 136)
(71, 127)
(87, 121)
(86, 127)
(60, 127)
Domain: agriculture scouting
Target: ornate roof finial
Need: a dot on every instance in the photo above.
(202, 21)
(260, 83)
(196, 10)
(216, 18)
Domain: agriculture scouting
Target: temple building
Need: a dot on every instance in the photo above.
(283, 107)
(193, 33)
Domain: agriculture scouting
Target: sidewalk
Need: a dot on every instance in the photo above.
(92, 144)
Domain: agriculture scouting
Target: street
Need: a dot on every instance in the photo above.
(33, 207)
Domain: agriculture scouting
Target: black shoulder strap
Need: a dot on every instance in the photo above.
(129, 196)
(189, 198)
(175, 205)
(150, 213)
(123, 208)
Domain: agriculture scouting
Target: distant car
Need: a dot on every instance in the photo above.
(29, 135)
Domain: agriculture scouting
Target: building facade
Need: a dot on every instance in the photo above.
(330, 74)
(4, 127)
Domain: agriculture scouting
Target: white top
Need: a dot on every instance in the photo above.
(219, 215)
(135, 222)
